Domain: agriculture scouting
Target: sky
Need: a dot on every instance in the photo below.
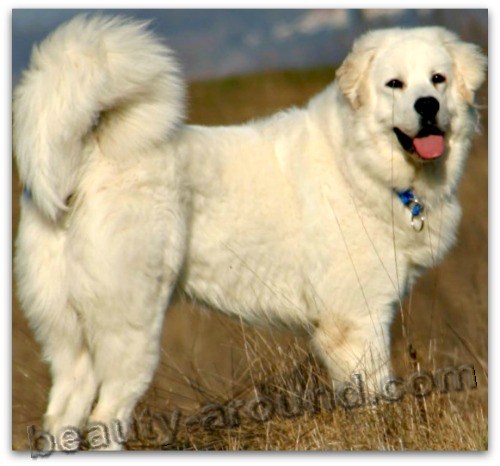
(214, 43)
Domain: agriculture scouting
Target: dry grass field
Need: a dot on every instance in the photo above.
(209, 361)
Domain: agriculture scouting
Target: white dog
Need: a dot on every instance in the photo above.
(318, 218)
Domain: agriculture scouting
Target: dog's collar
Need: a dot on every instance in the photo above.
(415, 206)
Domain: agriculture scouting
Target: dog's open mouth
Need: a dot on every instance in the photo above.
(428, 144)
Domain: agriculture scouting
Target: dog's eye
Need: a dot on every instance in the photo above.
(438, 78)
(394, 84)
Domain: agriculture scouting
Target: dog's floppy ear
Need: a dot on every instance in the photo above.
(470, 66)
(353, 72)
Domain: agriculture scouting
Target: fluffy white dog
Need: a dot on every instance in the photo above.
(318, 218)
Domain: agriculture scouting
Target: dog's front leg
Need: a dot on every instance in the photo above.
(353, 347)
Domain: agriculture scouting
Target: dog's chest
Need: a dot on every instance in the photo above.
(426, 246)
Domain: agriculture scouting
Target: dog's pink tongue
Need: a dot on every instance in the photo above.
(429, 147)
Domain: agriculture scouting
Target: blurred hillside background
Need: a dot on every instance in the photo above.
(215, 43)
(245, 64)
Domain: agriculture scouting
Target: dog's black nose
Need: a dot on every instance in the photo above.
(427, 107)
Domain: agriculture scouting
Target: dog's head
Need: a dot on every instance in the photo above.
(412, 83)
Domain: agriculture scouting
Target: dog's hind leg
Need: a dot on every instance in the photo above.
(126, 353)
(74, 386)
(131, 271)
(41, 270)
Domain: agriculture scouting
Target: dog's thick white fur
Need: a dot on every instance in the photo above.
(293, 219)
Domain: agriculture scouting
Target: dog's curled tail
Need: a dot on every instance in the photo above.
(104, 76)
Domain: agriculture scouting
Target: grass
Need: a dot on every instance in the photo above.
(310, 416)
(208, 358)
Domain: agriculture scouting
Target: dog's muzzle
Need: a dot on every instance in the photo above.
(428, 143)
